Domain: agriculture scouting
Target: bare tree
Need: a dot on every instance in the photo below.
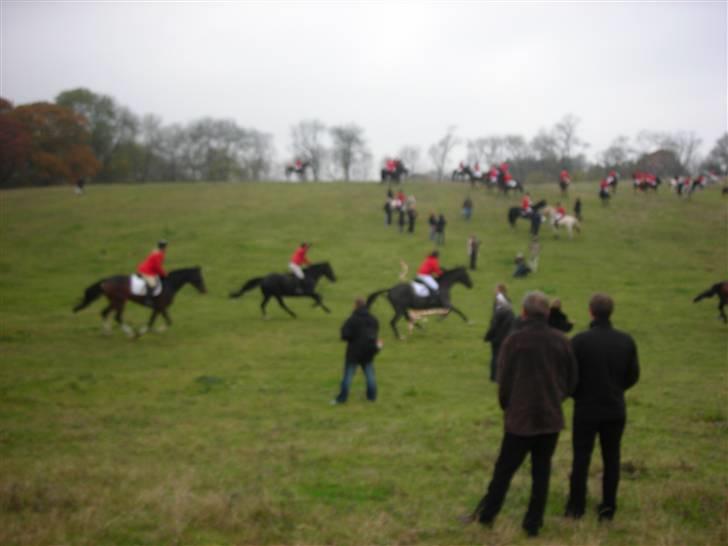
(565, 135)
(515, 147)
(685, 144)
(307, 142)
(349, 148)
(410, 156)
(545, 146)
(618, 152)
(717, 159)
(440, 151)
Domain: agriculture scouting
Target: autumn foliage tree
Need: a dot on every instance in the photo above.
(14, 143)
(50, 145)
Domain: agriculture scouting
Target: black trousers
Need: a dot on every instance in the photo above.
(610, 438)
(512, 454)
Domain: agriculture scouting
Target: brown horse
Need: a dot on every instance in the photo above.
(719, 289)
(117, 290)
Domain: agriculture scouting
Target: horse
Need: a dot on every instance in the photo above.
(514, 213)
(396, 176)
(719, 289)
(403, 299)
(571, 223)
(277, 285)
(512, 184)
(300, 171)
(117, 290)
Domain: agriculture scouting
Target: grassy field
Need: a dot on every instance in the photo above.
(220, 431)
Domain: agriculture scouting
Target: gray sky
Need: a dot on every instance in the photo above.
(404, 71)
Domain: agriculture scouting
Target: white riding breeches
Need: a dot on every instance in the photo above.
(296, 270)
(429, 281)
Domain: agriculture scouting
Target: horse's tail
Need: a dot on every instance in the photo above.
(374, 296)
(709, 293)
(91, 294)
(252, 283)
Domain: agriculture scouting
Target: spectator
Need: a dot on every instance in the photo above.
(432, 221)
(472, 247)
(557, 318)
(440, 229)
(608, 366)
(500, 325)
(411, 217)
(360, 332)
(536, 372)
(467, 208)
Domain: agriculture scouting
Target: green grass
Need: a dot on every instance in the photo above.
(219, 431)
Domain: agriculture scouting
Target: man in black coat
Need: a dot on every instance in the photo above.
(500, 325)
(608, 366)
(536, 373)
(360, 331)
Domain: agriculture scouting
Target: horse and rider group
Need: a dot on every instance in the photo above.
(497, 177)
(152, 287)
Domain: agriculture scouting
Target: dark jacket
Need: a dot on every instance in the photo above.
(608, 366)
(500, 325)
(360, 331)
(536, 373)
(558, 320)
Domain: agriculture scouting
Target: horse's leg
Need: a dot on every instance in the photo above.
(128, 330)
(264, 303)
(280, 302)
(319, 301)
(458, 312)
(104, 317)
(148, 326)
(722, 312)
(393, 324)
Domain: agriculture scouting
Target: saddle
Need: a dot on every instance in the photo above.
(422, 291)
(138, 286)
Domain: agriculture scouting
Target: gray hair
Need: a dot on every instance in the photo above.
(536, 304)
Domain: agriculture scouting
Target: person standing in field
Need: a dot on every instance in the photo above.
(472, 247)
(608, 366)
(411, 217)
(500, 325)
(360, 331)
(536, 373)
(432, 221)
(440, 229)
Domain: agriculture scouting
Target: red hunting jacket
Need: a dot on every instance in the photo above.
(299, 257)
(152, 265)
(429, 266)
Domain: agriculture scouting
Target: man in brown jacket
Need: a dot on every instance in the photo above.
(536, 373)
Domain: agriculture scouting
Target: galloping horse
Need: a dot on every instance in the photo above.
(571, 223)
(719, 289)
(277, 285)
(399, 172)
(300, 171)
(403, 299)
(117, 290)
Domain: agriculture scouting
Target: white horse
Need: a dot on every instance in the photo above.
(569, 222)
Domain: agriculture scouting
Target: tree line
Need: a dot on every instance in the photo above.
(87, 135)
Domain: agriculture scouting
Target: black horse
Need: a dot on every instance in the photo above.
(277, 285)
(117, 290)
(400, 171)
(511, 185)
(719, 289)
(467, 172)
(300, 171)
(514, 213)
(403, 299)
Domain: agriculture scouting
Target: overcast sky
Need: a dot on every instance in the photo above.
(404, 71)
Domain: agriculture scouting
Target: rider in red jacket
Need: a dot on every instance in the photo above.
(152, 268)
(430, 265)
